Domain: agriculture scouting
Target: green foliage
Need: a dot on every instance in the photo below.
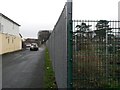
(96, 56)
(49, 77)
(90, 66)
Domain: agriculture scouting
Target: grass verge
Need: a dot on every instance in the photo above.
(49, 77)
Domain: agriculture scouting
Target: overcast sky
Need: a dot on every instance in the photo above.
(35, 15)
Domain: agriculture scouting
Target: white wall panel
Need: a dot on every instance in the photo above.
(9, 27)
(0, 28)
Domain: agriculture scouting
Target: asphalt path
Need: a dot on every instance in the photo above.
(23, 69)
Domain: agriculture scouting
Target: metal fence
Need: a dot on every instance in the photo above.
(85, 53)
(96, 54)
(58, 46)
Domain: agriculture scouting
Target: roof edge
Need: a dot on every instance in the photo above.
(9, 19)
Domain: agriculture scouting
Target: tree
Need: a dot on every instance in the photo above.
(102, 29)
(84, 30)
(82, 36)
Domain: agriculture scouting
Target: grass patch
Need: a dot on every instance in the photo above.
(49, 77)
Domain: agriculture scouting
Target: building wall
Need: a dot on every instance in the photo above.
(0, 43)
(9, 43)
(10, 39)
(0, 24)
(8, 27)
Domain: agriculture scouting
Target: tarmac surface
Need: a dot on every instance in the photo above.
(23, 69)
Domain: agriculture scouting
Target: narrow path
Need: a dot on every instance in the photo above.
(24, 69)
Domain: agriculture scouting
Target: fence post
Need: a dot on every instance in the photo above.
(69, 44)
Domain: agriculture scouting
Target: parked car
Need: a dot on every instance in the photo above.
(34, 47)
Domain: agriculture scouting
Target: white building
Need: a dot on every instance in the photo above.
(10, 39)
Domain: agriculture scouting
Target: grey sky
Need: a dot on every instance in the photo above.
(35, 15)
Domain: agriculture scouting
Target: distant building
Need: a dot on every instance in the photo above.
(29, 41)
(43, 36)
(10, 39)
